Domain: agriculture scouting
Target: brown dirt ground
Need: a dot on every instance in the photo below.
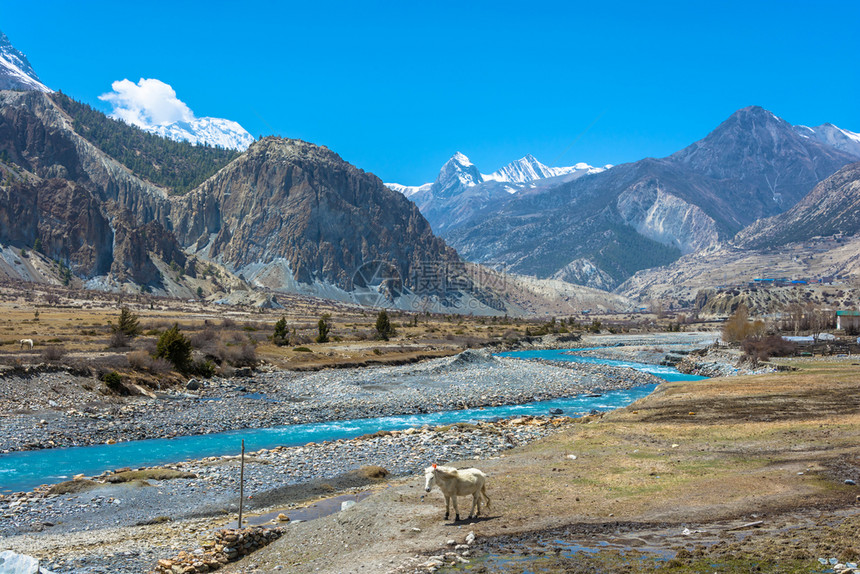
(711, 455)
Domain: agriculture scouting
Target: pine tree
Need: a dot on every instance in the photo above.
(281, 336)
(384, 328)
(175, 347)
(324, 327)
(128, 323)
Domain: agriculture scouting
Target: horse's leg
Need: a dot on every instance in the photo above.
(456, 508)
(476, 506)
(447, 504)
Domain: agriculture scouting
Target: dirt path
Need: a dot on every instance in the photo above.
(711, 456)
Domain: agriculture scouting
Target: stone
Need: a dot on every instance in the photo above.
(13, 563)
(192, 385)
(470, 538)
(347, 504)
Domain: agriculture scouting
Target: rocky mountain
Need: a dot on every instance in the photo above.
(601, 229)
(816, 240)
(16, 73)
(83, 205)
(831, 209)
(461, 191)
(286, 215)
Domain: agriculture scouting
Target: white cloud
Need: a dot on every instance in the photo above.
(150, 102)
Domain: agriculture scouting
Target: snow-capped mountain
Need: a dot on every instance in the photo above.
(461, 190)
(205, 131)
(457, 173)
(16, 73)
(529, 169)
(460, 173)
(833, 136)
(409, 190)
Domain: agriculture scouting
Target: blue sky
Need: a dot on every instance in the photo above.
(397, 88)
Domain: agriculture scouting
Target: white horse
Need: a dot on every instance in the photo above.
(454, 483)
(27, 343)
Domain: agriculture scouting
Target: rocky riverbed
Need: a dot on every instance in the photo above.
(127, 527)
(56, 409)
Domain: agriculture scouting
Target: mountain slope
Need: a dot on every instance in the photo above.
(177, 166)
(16, 73)
(832, 208)
(600, 229)
(818, 238)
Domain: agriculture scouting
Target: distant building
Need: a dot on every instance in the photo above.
(846, 320)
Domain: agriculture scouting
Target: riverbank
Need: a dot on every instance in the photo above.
(94, 525)
(49, 410)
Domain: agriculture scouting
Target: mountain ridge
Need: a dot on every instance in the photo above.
(750, 166)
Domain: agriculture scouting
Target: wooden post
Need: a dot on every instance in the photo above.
(241, 482)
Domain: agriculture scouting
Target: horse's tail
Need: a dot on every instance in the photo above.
(484, 492)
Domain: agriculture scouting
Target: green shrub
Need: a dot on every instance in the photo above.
(175, 347)
(204, 368)
(324, 327)
(302, 350)
(113, 381)
(384, 328)
(281, 336)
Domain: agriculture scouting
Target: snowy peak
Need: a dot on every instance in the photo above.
(153, 106)
(835, 137)
(457, 173)
(522, 170)
(206, 131)
(528, 169)
(16, 73)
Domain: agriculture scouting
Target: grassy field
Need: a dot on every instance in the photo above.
(771, 450)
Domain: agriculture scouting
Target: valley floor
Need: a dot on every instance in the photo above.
(707, 456)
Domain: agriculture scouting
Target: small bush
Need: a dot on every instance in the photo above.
(203, 368)
(118, 340)
(244, 355)
(113, 381)
(53, 353)
(771, 346)
(201, 338)
(142, 361)
(302, 350)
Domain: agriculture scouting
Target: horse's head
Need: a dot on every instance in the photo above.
(429, 477)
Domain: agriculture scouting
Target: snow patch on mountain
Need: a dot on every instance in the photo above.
(16, 73)
(409, 190)
(152, 105)
(834, 136)
(528, 169)
(206, 131)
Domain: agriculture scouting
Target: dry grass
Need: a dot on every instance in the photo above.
(709, 450)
